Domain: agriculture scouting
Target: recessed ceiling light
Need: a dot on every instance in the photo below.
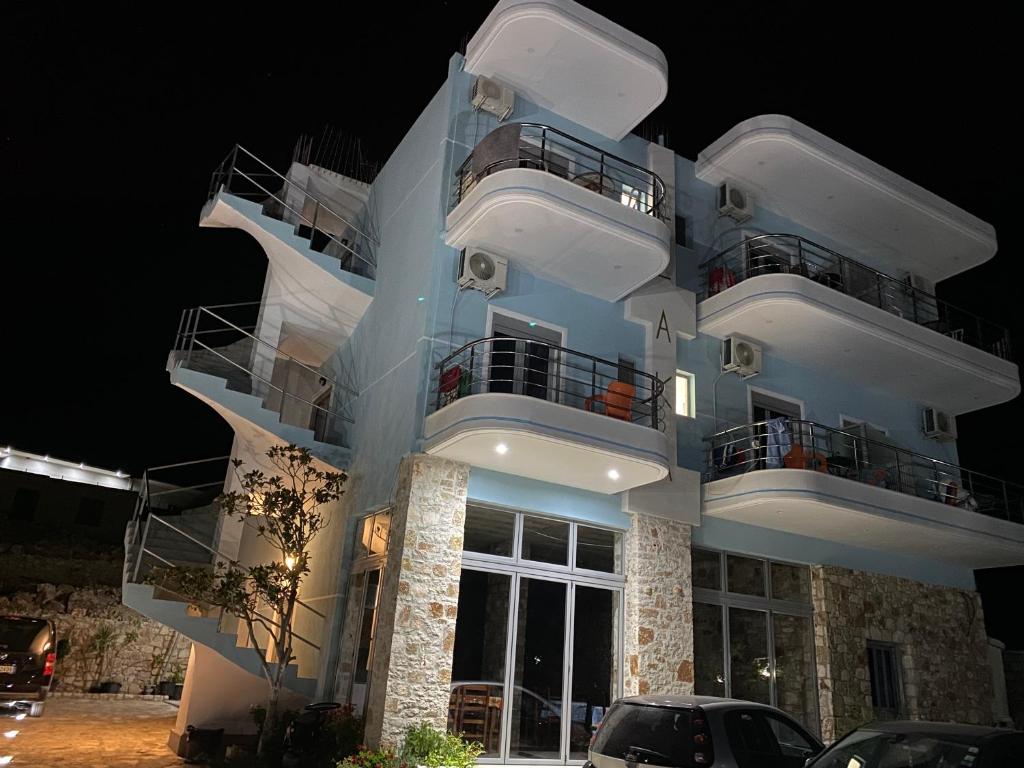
(613, 474)
(501, 449)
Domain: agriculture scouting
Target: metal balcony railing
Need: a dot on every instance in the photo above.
(795, 255)
(244, 175)
(798, 444)
(548, 372)
(208, 342)
(541, 147)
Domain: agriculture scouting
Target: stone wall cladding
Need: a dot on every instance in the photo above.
(141, 647)
(939, 633)
(412, 665)
(659, 607)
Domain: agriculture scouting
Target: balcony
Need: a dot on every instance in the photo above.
(319, 258)
(575, 62)
(821, 309)
(561, 209)
(269, 397)
(813, 480)
(541, 411)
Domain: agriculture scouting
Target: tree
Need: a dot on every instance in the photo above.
(287, 511)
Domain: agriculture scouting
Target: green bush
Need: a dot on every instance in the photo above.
(425, 745)
(370, 758)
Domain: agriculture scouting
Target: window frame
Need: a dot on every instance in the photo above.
(897, 678)
(690, 412)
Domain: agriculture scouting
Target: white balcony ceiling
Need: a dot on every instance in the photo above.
(838, 509)
(572, 61)
(809, 324)
(548, 441)
(561, 231)
(808, 178)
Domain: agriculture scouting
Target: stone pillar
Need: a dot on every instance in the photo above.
(659, 607)
(411, 671)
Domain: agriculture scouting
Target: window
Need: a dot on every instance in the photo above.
(635, 197)
(90, 512)
(685, 395)
(26, 500)
(753, 636)
(886, 688)
(537, 660)
(681, 231)
(761, 739)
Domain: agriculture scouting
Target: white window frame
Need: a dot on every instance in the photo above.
(690, 387)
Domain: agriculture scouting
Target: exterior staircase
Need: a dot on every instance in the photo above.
(177, 541)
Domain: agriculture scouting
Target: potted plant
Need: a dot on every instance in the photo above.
(424, 745)
(177, 682)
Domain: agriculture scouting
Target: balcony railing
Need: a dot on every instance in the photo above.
(797, 444)
(208, 342)
(794, 255)
(546, 371)
(541, 147)
(244, 175)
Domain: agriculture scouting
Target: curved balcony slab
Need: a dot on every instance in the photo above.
(561, 231)
(837, 509)
(572, 61)
(253, 424)
(813, 325)
(311, 287)
(548, 441)
(819, 184)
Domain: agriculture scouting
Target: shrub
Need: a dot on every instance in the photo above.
(425, 745)
(366, 758)
(340, 737)
(420, 741)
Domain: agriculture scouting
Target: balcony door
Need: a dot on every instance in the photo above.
(524, 357)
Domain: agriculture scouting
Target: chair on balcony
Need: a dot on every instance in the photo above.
(617, 401)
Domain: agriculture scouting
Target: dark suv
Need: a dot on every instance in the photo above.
(28, 652)
(699, 731)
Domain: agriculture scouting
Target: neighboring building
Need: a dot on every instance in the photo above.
(663, 448)
(63, 497)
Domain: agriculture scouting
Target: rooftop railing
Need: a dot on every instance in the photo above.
(541, 147)
(208, 342)
(244, 175)
(795, 255)
(549, 372)
(798, 444)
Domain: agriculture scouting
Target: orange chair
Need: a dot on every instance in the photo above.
(617, 401)
(798, 458)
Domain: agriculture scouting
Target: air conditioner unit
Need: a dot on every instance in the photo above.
(734, 202)
(741, 356)
(939, 425)
(491, 96)
(483, 271)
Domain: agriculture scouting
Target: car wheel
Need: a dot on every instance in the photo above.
(36, 710)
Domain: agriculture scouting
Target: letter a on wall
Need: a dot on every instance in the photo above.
(663, 326)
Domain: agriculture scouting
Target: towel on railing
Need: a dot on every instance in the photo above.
(777, 442)
(500, 144)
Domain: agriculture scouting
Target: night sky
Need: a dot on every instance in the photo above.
(112, 122)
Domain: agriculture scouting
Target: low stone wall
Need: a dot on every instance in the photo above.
(939, 633)
(138, 651)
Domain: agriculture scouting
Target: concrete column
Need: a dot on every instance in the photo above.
(659, 607)
(412, 663)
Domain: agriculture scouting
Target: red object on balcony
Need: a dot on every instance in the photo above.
(719, 279)
(450, 384)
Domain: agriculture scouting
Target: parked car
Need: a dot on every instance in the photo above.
(28, 653)
(903, 744)
(699, 732)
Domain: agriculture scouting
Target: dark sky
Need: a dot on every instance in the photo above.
(113, 120)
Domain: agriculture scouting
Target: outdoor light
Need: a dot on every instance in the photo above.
(501, 449)
(20, 716)
(421, 298)
(613, 474)
(289, 561)
(6, 759)
(10, 734)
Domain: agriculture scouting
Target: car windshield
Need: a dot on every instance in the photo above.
(874, 749)
(18, 634)
(656, 735)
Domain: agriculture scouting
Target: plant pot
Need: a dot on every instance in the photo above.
(176, 693)
(165, 687)
(148, 690)
(95, 688)
(110, 687)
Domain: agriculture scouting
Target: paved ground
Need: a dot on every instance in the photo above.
(84, 733)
